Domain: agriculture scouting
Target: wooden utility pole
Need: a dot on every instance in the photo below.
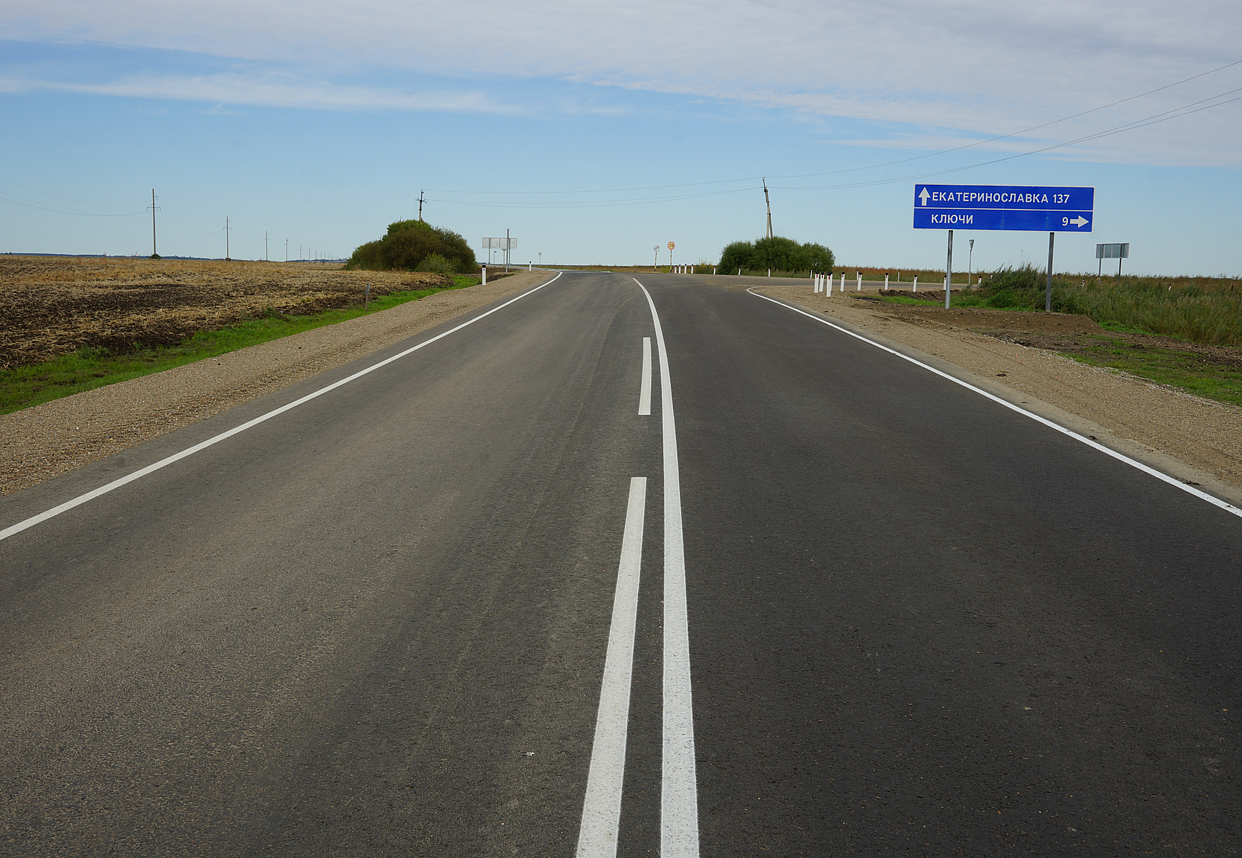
(420, 205)
(767, 200)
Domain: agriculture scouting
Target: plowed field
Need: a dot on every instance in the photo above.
(51, 306)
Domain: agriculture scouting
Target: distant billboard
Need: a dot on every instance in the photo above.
(1112, 251)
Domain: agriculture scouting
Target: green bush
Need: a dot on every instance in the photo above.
(436, 264)
(408, 245)
(735, 256)
(777, 253)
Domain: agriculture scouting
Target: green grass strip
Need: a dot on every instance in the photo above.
(1181, 369)
(88, 368)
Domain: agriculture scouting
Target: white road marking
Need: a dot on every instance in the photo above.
(601, 810)
(679, 802)
(1121, 457)
(237, 430)
(644, 393)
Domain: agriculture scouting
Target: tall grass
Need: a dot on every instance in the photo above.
(1202, 310)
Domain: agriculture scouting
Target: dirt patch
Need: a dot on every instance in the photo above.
(51, 306)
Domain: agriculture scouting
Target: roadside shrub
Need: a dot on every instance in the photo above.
(735, 256)
(367, 257)
(408, 244)
(436, 264)
(777, 253)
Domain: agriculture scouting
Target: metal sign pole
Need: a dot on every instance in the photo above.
(948, 273)
(1048, 295)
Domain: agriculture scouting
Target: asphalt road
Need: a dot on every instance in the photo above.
(833, 603)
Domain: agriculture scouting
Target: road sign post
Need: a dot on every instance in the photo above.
(1112, 251)
(948, 272)
(1003, 207)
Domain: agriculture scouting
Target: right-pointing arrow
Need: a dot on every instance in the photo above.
(1080, 221)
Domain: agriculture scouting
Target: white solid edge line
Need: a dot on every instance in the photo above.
(679, 803)
(601, 809)
(1121, 457)
(644, 393)
(176, 457)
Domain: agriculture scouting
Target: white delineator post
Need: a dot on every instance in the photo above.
(916, 284)
(859, 273)
(885, 282)
(484, 275)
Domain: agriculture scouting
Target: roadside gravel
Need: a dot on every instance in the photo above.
(1192, 439)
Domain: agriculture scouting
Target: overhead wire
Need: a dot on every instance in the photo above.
(1173, 113)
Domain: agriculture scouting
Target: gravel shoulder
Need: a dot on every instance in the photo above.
(48, 440)
(1195, 440)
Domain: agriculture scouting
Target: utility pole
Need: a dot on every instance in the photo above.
(420, 205)
(767, 200)
(154, 252)
(286, 250)
(226, 238)
(265, 259)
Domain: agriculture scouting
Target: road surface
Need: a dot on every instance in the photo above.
(635, 565)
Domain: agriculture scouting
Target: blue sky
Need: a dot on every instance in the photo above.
(594, 132)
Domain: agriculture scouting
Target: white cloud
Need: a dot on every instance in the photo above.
(977, 66)
(264, 90)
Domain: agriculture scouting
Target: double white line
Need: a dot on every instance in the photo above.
(679, 806)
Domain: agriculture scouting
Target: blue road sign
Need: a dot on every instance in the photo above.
(1004, 207)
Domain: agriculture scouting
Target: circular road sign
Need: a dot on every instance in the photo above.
(671, 245)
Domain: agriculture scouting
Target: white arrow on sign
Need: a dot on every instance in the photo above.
(924, 196)
(1080, 221)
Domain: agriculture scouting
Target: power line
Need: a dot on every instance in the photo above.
(57, 196)
(1016, 133)
(609, 203)
(24, 203)
(1173, 113)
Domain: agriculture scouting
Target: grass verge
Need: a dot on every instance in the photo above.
(1182, 332)
(89, 368)
(1176, 367)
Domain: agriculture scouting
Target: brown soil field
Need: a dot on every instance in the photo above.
(52, 306)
